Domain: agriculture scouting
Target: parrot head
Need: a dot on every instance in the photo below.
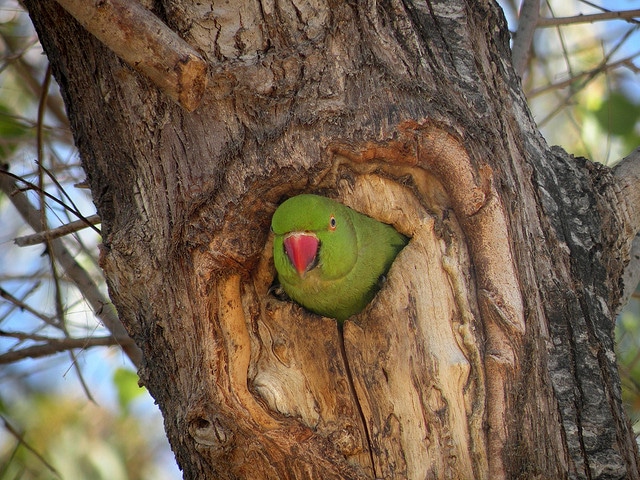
(313, 239)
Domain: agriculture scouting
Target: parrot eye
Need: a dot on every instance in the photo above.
(332, 223)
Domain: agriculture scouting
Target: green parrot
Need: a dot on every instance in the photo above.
(330, 258)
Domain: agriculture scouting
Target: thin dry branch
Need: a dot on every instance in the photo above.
(27, 308)
(28, 75)
(57, 232)
(628, 15)
(20, 438)
(23, 336)
(601, 68)
(527, 21)
(60, 311)
(144, 42)
(101, 306)
(44, 193)
(57, 345)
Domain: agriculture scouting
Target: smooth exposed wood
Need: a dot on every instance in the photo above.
(631, 276)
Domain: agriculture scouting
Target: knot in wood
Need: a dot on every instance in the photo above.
(209, 431)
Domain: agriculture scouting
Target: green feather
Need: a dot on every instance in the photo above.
(354, 252)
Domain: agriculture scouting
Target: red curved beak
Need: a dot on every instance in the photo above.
(301, 248)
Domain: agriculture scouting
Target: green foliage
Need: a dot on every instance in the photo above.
(73, 439)
(628, 350)
(618, 114)
(13, 132)
(126, 383)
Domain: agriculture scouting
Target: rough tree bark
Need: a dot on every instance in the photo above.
(489, 351)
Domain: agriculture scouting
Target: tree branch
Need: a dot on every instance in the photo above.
(602, 67)
(26, 307)
(43, 193)
(144, 42)
(628, 173)
(102, 307)
(522, 39)
(57, 232)
(628, 15)
(57, 345)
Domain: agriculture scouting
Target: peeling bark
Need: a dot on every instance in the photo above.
(488, 353)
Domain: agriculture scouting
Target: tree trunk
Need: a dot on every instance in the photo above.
(488, 353)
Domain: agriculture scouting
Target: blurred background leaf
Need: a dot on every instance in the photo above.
(617, 114)
(126, 383)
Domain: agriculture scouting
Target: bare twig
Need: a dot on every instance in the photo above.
(22, 336)
(29, 76)
(576, 77)
(628, 15)
(101, 306)
(57, 345)
(563, 43)
(10, 56)
(143, 41)
(603, 66)
(54, 179)
(527, 20)
(57, 232)
(54, 104)
(20, 438)
(60, 311)
(25, 307)
(41, 191)
(8, 459)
